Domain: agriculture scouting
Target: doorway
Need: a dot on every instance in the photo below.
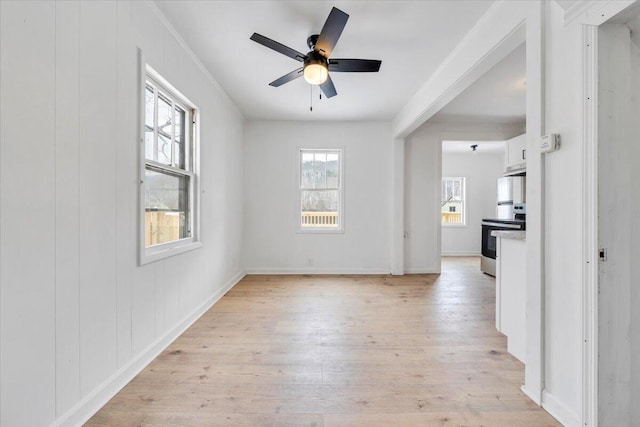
(470, 170)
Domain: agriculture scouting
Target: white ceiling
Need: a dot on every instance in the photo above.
(412, 38)
(631, 18)
(464, 147)
(567, 4)
(499, 96)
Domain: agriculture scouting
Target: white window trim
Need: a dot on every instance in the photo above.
(464, 203)
(445, 225)
(157, 252)
(319, 230)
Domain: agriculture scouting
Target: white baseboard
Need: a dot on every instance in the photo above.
(421, 271)
(318, 271)
(475, 253)
(559, 410)
(91, 403)
(529, 394)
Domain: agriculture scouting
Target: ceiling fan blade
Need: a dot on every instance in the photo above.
(355, 65)
(278, 47)
(331, 31)
(287, 78)
(328, 88)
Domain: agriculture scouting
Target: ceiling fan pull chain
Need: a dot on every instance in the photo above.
(311, 98)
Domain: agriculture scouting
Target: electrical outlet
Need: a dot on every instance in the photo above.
(310, 262)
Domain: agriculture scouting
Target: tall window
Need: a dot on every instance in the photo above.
(169, 177)
(453, 201)
(321, 190)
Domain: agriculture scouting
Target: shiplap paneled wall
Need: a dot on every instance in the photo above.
(27, 226)
(78, 316)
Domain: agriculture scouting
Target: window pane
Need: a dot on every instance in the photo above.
(451, 189)
(149, 108)
(333, 171)
(452, 213)
(319, 209)
(179, 157)
(446, 190)
(320, 171)
(457, 192)
(166, 207)
(320, 201)
(306, 172)
(165, 131)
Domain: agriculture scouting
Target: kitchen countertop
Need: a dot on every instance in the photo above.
(510, 234)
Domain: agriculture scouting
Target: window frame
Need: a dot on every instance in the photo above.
(191, 170)
(463, 202)
(341, 208)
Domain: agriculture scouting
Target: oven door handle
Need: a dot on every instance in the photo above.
(497, 224)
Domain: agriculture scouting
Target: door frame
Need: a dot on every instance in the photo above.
(590, 14)
(590, 226)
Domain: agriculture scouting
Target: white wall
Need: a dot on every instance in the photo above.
(423, 165)
(272, 244)
(562, 197)
(481, 170)
(634, 159)
(78, 317)
(421, 201)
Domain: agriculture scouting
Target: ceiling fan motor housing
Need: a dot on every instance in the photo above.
(315, 58)
(311, 41)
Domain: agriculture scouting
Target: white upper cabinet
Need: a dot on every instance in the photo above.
(515, 155)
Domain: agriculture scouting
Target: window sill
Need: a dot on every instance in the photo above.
(455, 226)
(320, 231)
(153, 254)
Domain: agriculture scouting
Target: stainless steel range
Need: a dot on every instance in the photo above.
(488, 259)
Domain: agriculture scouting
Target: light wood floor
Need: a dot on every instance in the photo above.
(417, 350)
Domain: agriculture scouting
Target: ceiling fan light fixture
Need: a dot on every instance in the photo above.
(316, 73)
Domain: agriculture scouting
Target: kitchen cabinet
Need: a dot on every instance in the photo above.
(511, 289)
(516, 154)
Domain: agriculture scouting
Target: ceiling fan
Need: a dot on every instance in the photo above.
(316, 63)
